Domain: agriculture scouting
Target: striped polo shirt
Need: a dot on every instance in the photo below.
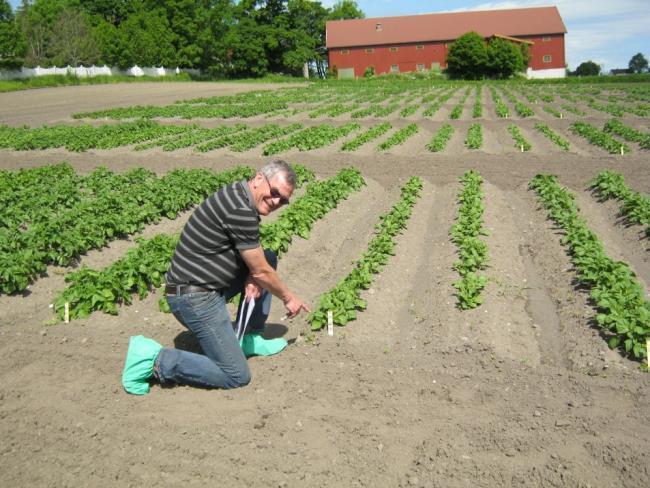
(207, 253)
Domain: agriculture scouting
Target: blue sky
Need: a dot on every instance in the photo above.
(608, 32)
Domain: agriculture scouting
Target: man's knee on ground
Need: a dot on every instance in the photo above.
(239, 379)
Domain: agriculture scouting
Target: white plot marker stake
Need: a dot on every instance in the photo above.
(330, 323)
(66, 313)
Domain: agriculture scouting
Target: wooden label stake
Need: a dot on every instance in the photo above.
(66, 313)
(330, 323)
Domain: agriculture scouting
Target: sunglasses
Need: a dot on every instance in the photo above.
(275, 193)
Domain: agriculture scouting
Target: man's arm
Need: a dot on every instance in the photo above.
(264, 275)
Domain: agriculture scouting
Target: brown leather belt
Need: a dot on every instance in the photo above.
(171, 289)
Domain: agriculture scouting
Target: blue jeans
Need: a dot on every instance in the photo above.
(205, 314)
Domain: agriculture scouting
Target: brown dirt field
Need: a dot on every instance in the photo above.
(522, 391)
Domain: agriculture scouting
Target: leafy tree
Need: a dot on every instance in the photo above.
(345, 9)
(242, 51)
(467, 57)
(587, 68)
(11, 45)
(146, 40)
(112, 11)
(504, 58)
(74, 43)
(189, 25)
(307, 20)
(638, 63)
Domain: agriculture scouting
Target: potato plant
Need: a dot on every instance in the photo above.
(520, 140)
(599, 138)
(472, 251)
(553, 136)
(623, 313)
(344, 300)
(441, 138)
(399, 137)
(474, 137)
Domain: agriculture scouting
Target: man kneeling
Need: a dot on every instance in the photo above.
(218, 256)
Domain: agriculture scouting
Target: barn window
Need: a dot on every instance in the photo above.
(546, 39)
(378, 27)
(394, 68)
(547, 58)
(345, 51)
(419, 47)
(370, 50)
(420, 67)
(393, 49)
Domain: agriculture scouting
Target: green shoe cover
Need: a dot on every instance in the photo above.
(138, 367)
(256, 345)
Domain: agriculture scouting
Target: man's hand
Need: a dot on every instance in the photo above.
(294, 305)
(251, 289)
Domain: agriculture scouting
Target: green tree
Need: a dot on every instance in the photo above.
(11, 46)
(242, 51)
(504, 58)
(345, 9)
(75, 42)
(587, 68)
(144, 39)
(112, 11)
(467, 57)
(638, 63)
(307, 20)
(189, 25)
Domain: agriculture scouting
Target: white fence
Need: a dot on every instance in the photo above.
(90, 71)
(546, 73)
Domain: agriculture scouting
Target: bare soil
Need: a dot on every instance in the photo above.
(522, 391)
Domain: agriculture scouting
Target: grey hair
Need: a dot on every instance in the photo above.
(276, 166)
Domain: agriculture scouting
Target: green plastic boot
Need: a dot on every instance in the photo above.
(138, 367)
(255, 345)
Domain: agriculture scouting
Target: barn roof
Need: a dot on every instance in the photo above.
(443, 26)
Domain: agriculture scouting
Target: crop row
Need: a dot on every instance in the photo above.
(474, 137)
(100, 217)
(636, 206)
(550, 134)
(500, 107)
(104, 290)
(472, 250)
(189, 111)
(310, 138)
(248, 139)
(628, 133)
(520, 140)
(441, 138)
(367, 136)
(457, 111)
(83, 137)
(399, 137)
(31, 194)
(344, 299)
(623, 311)
(599, 138)
(477, 110)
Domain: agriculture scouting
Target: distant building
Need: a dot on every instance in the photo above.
(621, 71)
(421, 42)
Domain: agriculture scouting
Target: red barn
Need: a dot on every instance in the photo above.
(420, 42)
